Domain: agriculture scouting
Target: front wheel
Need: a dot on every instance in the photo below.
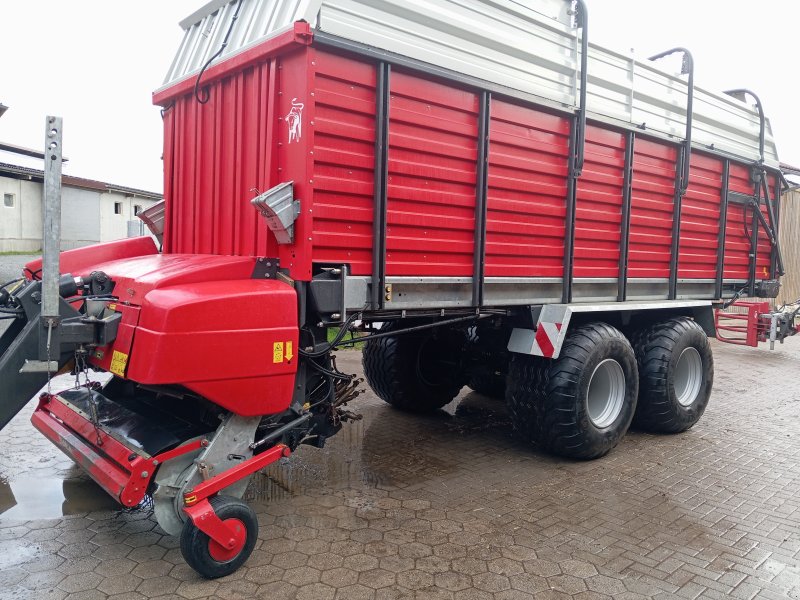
(207, 557)
(581, 404)
(676, 374)
(418, 371)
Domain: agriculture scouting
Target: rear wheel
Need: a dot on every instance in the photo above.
(676, 374)
(207, 557)
(418, 371)
(580, 404)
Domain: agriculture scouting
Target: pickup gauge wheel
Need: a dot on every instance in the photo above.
(581, 404)
(417, 372)
(676, 374)
(207, 557)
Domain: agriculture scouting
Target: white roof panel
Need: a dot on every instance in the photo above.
(526, 46)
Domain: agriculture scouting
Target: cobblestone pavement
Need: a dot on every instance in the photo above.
(450, 507)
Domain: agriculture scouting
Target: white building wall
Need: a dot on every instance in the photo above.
(113, 225)
(10, 217)
(87, 216)
(31, 193)
(80, 217)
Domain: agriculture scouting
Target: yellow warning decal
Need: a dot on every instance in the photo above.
(289, 352)
(119, 360)
(277, 352)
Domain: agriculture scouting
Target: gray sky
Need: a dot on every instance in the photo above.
(96, 63)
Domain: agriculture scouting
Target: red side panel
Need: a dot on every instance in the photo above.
(598, 213)
(433, 139)
(526, 206)
(764, 262)
(344, 162)
(215, 156)
(700, 218)
(652, 202)
(739, 224)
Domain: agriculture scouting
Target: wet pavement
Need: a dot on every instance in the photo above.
(451, 507)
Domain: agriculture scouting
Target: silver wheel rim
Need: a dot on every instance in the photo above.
(688, 376)
(606, 394)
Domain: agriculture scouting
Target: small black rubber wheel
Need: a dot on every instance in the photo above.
(581, 404)
(210, 559)
(417, 372)
(676, 374)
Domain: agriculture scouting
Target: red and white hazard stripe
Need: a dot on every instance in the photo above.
(546, 340)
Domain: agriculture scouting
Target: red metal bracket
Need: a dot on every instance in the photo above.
(229, 535)
(743, 328)
(142, 471)
(222, 480)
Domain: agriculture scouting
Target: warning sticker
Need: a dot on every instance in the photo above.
(119, 360)
(277, 352)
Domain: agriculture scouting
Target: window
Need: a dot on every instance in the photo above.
(8, 200)
(117, 208)
(137, 208)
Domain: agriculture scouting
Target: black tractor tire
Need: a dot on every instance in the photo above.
(676, 374)
(198, 548)
(550, 401)
(416, 372)
(488, 382)
(487, 370)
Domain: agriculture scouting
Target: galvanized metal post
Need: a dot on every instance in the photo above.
(51, 231)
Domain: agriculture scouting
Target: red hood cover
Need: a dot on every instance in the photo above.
(135, 277)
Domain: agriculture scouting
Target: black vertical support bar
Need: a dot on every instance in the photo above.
(684, 166)
(569, 221)
(577, 149)
(723, 226)
(675, 247)
(777, 227)
(381, 178)
(481, 193)
(625, 220)
(751, 290)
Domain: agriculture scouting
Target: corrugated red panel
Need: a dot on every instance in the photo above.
(526, 205)
(433, 140)
(739, 228)
(764, 262)
(344, 162)
(652, 203)
(700, 218)
(598, 212)
(739, 224)
(215, 156)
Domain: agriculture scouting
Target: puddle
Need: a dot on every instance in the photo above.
(387, 448)
(38, 498)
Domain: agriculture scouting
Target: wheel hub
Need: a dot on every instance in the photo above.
(605, 396)
(688, 376)
(239, 536)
